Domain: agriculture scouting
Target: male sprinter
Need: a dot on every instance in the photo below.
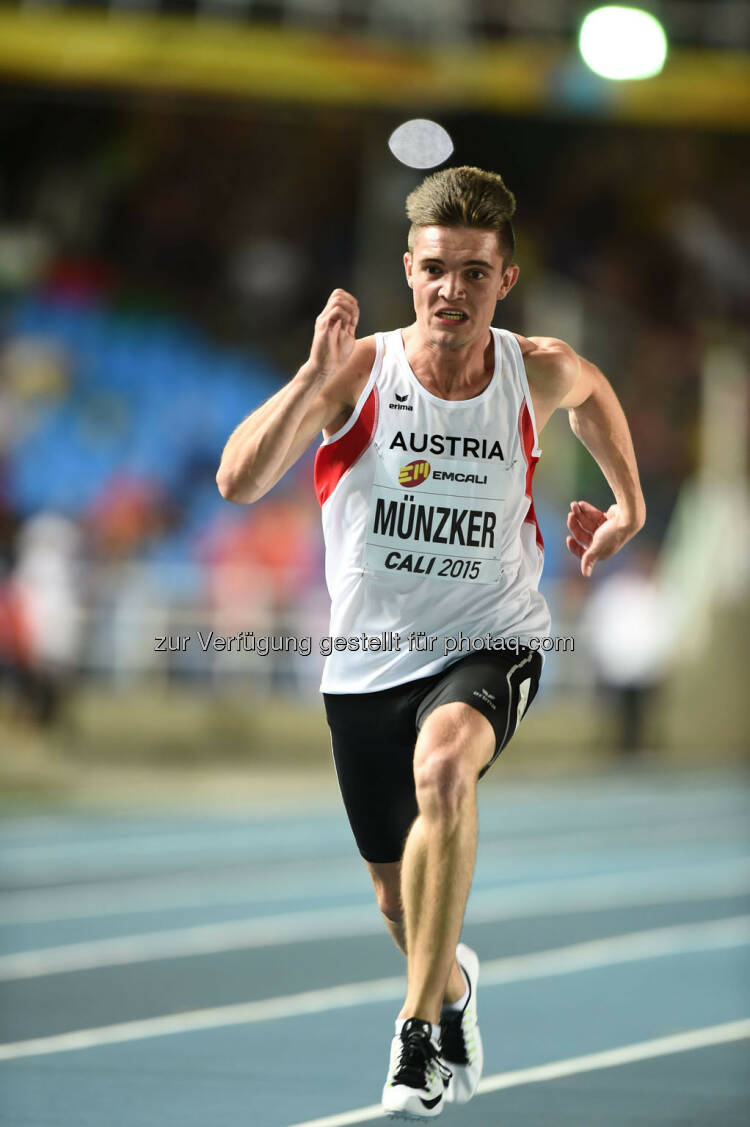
(424, 479)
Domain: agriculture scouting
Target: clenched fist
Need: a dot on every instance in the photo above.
(335, 328)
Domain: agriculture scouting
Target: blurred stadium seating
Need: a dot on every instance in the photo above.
(163, 256)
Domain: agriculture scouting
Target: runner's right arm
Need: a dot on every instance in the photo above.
(321, 396)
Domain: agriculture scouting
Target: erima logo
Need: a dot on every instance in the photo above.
(488, 698)
(413, 474)
(401, 404)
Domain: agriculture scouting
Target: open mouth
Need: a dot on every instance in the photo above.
(451, 316)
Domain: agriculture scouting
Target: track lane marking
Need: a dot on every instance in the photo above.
(153, 893)
(115, 859)
(619, 949)
(572, 1066)
(545, 898)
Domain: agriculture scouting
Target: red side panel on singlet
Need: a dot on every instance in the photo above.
(334, 459)
(526, 428)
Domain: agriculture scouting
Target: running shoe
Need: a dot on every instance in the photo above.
(417, 1078)
(460, 1042)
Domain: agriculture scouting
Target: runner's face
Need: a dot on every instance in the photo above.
(456, 270)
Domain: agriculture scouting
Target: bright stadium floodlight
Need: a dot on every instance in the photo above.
(618, 42)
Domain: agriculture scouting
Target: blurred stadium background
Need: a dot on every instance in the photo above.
(182, 185)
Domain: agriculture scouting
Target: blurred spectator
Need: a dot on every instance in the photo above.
(125, 513)
(263, 563)
(43, 608)
(16, 663)
(627, 626)
(15, 641)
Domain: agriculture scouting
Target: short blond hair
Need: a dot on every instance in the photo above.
(464, 197)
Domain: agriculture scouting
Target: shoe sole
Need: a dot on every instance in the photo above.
(407, 1115)
(414, 1116)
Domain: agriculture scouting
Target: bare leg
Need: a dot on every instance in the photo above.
(438, 861)
(387, 881)
(434, 914)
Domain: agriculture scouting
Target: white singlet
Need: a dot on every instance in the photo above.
(429, 521)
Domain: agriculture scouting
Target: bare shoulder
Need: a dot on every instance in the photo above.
(363, 358)
(546, 355)
(548, 361)
(347, 386)
(552, 369)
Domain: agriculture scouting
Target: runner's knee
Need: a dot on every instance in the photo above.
(443, 781)
(392, 911)
(386, 880)
(389, 902)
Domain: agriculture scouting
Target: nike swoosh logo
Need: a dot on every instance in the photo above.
(431, 1103)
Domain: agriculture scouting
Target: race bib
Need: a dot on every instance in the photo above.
(440, 517)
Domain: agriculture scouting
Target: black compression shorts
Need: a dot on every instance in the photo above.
(373, 737)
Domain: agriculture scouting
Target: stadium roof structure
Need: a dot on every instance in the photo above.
(201, 51)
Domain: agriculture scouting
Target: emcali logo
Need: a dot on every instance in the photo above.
(413, 474)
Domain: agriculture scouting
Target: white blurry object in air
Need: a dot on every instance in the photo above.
(420, 143)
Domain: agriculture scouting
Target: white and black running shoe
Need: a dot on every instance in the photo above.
(417, 1078)
(460, 1042)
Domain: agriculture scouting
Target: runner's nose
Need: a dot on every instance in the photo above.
(451, 287)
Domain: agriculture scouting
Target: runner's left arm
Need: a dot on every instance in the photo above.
(560, 378)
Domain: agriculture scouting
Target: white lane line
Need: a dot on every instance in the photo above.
(548, 898)
(250, 834)
(202, 939)
(634, 947)
(555, 1070)
(244, 885)
(120, 859)
(31, 864)
(519, 812)
(612, 890)
(120, 895)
